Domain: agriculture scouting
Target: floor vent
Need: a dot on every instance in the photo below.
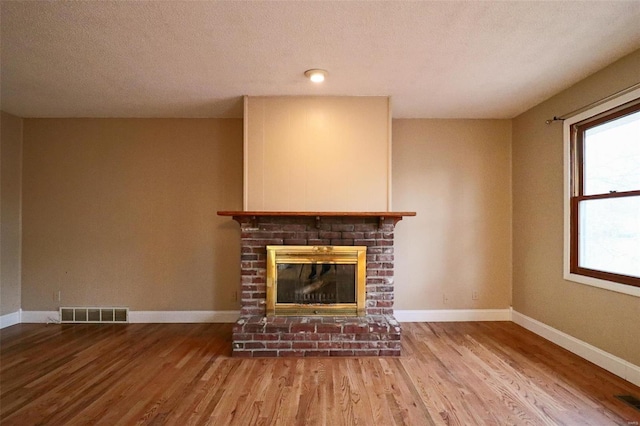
(94, 315)
(630, 400)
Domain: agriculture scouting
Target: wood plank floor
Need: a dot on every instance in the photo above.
(483, 373)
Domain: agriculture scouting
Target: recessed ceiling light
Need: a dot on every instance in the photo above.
(316, 75)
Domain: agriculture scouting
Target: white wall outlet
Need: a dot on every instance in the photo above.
(445, 298)
(474, 295)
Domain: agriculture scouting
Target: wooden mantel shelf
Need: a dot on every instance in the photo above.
(254, 215)
(397, 215)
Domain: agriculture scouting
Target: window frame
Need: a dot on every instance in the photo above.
(573, 193)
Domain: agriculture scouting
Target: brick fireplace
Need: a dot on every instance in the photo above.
(377, 333)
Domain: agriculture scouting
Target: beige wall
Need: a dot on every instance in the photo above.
(456, 174)
(10, 206)
(123, 212)
(603, 318)
(321, 153)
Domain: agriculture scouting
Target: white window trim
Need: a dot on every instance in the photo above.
(595, 282)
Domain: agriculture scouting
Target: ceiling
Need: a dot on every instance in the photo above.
(469, 59)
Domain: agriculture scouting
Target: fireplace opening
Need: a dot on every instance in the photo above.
(325, 283)
(316, 280)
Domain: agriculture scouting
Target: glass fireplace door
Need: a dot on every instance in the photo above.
(316, 280)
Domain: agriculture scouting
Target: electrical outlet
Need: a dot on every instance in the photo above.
(57, 296)
(474, 295)
(234, 296)
(445, 298)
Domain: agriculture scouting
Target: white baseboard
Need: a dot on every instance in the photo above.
(231, 316)
(40, 317)
(13, 318)
(453, 315)
(182, 316)
(609, 362)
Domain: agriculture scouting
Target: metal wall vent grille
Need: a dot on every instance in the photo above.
(94, 315)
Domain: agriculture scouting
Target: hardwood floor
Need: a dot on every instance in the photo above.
(483, 373)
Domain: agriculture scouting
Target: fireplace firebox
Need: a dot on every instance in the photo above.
(316, 280)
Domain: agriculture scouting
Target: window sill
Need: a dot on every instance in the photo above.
(603, 284)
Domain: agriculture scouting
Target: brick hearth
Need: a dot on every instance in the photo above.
(376, 334)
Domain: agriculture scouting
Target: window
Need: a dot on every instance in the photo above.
(603, 200)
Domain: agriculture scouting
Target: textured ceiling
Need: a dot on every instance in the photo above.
(470, 59)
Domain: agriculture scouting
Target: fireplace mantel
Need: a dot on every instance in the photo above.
(254, 215)
(398, 215)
